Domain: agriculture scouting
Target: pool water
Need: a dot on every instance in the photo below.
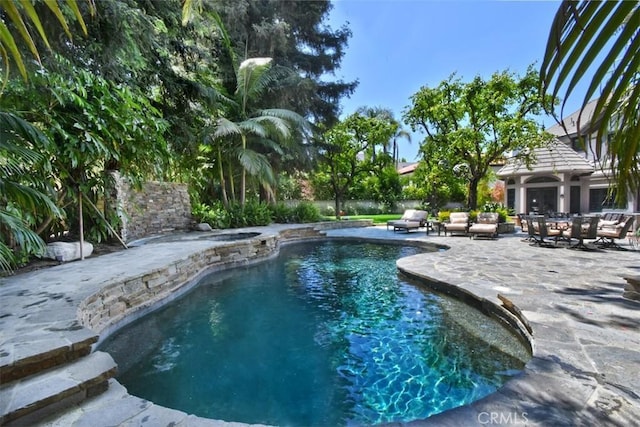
(327, 333)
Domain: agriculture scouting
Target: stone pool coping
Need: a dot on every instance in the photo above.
(586, 343)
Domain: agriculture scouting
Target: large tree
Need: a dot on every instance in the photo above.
(295, 35)
(604, 35)
(343, 148)
(469, 126)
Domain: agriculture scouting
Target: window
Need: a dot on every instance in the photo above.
(539, 179)
(511, 198)
(600, 199)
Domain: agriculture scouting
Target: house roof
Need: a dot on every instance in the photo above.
(571, 122)
(407, 168)
(557, 157)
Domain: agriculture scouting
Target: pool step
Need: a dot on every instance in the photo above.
(27, 400)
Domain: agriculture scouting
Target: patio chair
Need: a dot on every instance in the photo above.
(486, 225)
(539, 231)
(608, 234)
(582, 228)
(458, 223)
(411, 219)
(524, 226)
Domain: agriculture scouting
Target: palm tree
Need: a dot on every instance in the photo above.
(400, 133)
(605, 35)
(245, 123)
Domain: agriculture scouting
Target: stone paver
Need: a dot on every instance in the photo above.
(586, 337)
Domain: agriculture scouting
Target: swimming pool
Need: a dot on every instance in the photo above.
(325, 334)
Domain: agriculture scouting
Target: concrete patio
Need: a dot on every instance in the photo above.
(586, 341)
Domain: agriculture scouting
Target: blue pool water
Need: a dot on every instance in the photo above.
(325, 334)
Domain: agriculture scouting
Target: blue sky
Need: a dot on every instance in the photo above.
(398, 46)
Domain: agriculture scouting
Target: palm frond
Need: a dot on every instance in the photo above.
(279, 128)
(22, 236)
(253, 127)
(605, 35)
(250, 79)
(14, 10)
(14, 130)
(257, 165)
(288, 115)
(225, 127)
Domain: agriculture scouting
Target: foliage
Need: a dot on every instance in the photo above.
(216, 215)
(289, 187)
(305, 212)
(443, 216)
(252, 213)
(605, 35)
(17, 13)
(436, 183)
(468, 126)
(93, 125)
(294, 33)
(237, 135)
(24, 194)
(281, 213)
(340, 164)
(502, 211)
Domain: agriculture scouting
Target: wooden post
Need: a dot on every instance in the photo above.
(81, 223)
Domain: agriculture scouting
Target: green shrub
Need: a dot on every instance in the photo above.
(216, 216)
(253, 213)
(502, 211)
(281, 213)
(443, 216)
(306, 212)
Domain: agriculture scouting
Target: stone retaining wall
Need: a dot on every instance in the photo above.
(131, 296)
(156, 207)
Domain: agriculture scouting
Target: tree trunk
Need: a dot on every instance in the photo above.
(472, 199)
(232, 187)
(223, 184)
(243, 178)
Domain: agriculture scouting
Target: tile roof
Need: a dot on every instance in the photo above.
(407, 168)
(556, 157)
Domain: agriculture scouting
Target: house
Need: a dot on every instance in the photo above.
(566, 176)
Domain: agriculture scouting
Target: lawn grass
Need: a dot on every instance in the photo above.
(377, 219)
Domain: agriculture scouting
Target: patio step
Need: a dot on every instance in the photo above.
(28, 400)
(43, 350)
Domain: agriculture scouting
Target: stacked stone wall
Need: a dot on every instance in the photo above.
(128, 296)
(154, 208)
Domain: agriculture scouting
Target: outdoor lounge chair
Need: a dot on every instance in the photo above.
(607, 234)
(458, 223)
(486, 225)
(412, 219)
(582, 228)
